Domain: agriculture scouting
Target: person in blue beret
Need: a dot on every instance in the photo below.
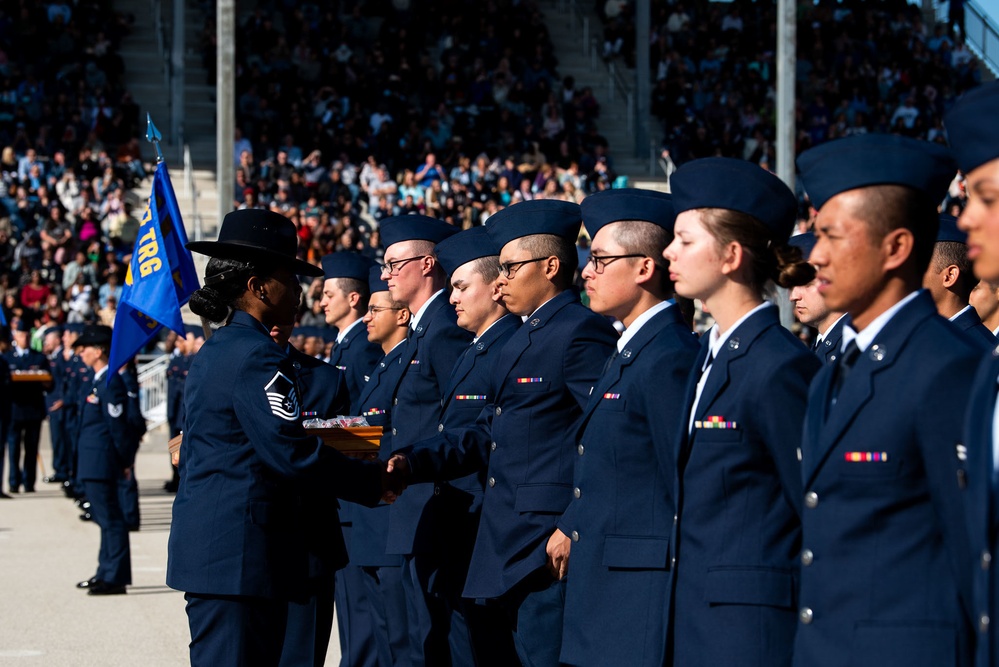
(810, 308)
(737, 487)
(416, 278)
(949, 279)
(238, 545)
(387, 323)
(974, 140)
(618, 580)
(884, 551)
(344, 303)
(525, 438)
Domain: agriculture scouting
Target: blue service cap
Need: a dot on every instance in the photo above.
(949, 231)
(971, 127)
(805, 241)
(875, 159)
(464, 247)
(328, 334)
(73, 327)
(22, 325)
(375, 282)
(736, 185)
(539, 216)
(346, 264)
(399, 228)
(602, 208)
(298, 331)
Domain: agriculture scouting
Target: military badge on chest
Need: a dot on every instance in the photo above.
(282, 397)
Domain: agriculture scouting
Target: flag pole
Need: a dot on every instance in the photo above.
(154, 137)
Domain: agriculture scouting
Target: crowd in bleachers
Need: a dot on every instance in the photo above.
(69, 135)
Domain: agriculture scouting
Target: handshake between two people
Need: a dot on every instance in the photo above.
(395, 478)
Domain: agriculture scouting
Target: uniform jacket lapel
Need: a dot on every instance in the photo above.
(412, 345)
(473, 355)
(521, 340)
(856, 392)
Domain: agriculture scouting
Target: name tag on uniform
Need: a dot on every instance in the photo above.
(715, 422)
(529, 380)
(470, 397)
(866, 457)
(612, 397)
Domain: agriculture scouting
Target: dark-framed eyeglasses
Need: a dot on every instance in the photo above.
(392, 268)
(374, 310)
(600, 262)
(509, 269)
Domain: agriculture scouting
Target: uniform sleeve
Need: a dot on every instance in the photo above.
(585, 355)
(452, 454)
(266, 403)
(115, 406)
(780, 412)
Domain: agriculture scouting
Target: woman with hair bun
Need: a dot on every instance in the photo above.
(238, 540)
(737, 534)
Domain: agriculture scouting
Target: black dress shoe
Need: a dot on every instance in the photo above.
(86, 516)
(89, 583)
(104, 588)
(5, 496)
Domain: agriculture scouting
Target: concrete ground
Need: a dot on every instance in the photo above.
(45, 550)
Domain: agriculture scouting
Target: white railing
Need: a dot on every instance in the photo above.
(982, 35)
(153, 388)
(191, 191)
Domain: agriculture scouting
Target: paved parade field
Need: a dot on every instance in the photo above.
(45, 550)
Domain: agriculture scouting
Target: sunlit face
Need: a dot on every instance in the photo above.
(613, 290)
(980, 220)
(473, 298)
(335, 303)
(695, 260)
(984, 300)
(89, 355)
(381, 321)
(850, 262)
(809, 306)
(525, 290)
(408, 277)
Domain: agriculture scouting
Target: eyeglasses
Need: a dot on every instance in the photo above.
(509, 269)
(392, 268)
(374, 310)
(600, 263)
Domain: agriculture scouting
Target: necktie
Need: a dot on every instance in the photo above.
(843, 367)
(816, 344)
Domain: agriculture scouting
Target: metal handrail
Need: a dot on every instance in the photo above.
(981, 35)
(153, 390)
(191, 191)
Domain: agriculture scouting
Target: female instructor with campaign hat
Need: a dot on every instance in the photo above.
(738, 486)
(237, 544)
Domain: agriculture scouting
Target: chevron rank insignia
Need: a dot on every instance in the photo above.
(115, 410)
(281, 397)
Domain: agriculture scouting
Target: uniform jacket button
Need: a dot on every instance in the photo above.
(576, 492)
(395, 401)
(440, 428)
(395, 432)
(807, 557)
(492, 481)
(983, 623)
(986, 560)
(437, 490)
(580, 449)
(492, 447)
(575, 536)
(499, 410)
(811, 500)
(806, 615)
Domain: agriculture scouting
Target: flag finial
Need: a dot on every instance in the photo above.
(154, 137)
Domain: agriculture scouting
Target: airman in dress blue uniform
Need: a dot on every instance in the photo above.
(975, 143)
(55, 405)
(237, 544)
(884, 549)
(106, 455)
(415, 278)
(6, 391)
(526, 435)
(75, 387)
(737, 533)
(176, 374)
(472, 263)
(27, 411)
(345, 301)
(949, 279)
(622, 508)
(386, 324)
(811, 309)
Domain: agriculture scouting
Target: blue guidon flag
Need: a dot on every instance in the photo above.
(161, 276)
